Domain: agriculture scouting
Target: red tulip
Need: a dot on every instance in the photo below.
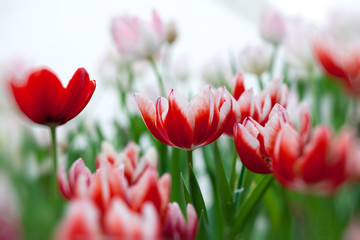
(129, 157)
(340, 62)
(181, 124)
(122, 223)
(255, 143)
(150, 189)
(45, 101)
(316, 164)
(77, 182)
(245, 104)
(175, 226)
(80, 222)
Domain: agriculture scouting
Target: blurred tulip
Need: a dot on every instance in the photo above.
(45, 101)
(122, 223)
(255, 143)
(77, 182)
(175, 227)
(81, 221)
(311, 162)
(138, 39)
(272, 25)
(10, 222)
(352, 231)
(129, 158)
(334, 62)
(150, 189)
(298, 43)
(187, 125)
(256, 59)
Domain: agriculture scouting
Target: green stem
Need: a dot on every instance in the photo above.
(53, 177)
(272, 63)
(190, 161)
(239, 185)
(354, 117)
(315, 95)
(233, 169)
(261, 84)
(250, 203)
(130, 75)
(158, 76)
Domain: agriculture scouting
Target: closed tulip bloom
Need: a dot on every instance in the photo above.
(187, 125)
(136, 38)
(76, 183)
(122, 223)
(175, 226)
(81, 221)
(272, 25)
(44, 100)
(255, 143)
(314, 163)
(256, 59)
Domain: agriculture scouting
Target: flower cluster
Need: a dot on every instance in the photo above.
(124, 198)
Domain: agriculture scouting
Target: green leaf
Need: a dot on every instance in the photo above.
(185, 190)
(233, 169)
(225, 193)
(203, 231)
(196, 195)
(250, 203)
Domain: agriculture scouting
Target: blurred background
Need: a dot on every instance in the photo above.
(65, 35)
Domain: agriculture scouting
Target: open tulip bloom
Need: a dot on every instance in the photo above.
(187, 125)
(44, 100)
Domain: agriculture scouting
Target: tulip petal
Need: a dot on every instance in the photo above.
(40, 98)
(77, 95)
(286, 153)
(248, 148)
(178, 126)
(149, 115)
(314, 156)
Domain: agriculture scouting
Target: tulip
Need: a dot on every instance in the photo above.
(245, 104)
(187, 125)
(45, 101)
(272, 25)
(136, 38)
(255, 143)
(298, 43)
(122, 223)
(150, 189)
(10, 221)
(129, 157)
(77, 181)
(332, 62)
(311, 162)
(175, 226)
(256, 59)
(80, 222)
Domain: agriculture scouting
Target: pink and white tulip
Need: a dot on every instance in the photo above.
(175, 227)
(136, 38)
(272, 25)
(256, 59)
(81, 221)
